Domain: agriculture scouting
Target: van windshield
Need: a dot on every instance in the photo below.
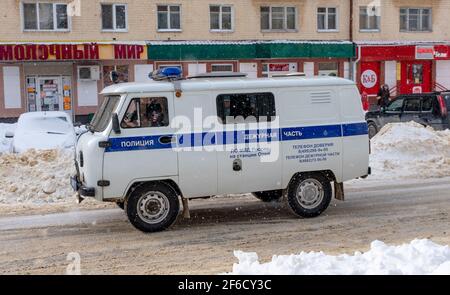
(104, 113)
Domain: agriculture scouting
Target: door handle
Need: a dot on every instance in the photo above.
(237, 165)
(167, 139)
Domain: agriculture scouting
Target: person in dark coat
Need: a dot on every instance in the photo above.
(384, 96)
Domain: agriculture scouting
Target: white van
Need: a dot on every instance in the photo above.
(152, 146)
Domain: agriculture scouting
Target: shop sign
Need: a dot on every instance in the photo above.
(369, 79)
(279, 67)
(431, 52)
(424, 52)
(92, 51)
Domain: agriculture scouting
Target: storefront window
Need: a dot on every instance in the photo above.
(270, 69)
(122, 72)
(328, 69)
(415, 73)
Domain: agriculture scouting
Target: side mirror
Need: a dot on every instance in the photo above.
(9, 134)
(115, 123)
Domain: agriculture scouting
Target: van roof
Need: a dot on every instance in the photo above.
(199, 84)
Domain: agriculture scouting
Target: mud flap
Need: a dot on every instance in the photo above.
(339, 191)
(186, 213)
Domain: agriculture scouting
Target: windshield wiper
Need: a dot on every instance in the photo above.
(54, 132)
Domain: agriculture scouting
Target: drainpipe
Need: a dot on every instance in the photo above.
(355, 62)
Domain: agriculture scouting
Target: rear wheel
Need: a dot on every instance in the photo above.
(309, 194)
(153, 207)
(373, 130)
(269, 196)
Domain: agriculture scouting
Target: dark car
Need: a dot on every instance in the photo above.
(428, 109)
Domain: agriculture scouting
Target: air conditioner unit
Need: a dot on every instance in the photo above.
(88, 73)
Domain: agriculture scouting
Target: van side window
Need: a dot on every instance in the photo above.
(252, 107)
(146, 112)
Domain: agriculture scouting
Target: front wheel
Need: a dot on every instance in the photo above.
(152, 207)
(309, 194)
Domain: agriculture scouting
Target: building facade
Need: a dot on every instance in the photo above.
(404, 44)
(58, 55)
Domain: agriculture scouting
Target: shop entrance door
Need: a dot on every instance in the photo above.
(415, 77)
(49, 94)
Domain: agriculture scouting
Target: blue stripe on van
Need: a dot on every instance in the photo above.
(152, 142)
(355, 129)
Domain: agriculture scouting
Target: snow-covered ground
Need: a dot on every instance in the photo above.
(409, 150)
(420, 257)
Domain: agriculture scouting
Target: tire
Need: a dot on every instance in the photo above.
(121, 205)
(373, 130)
(309, 194)
(269, 196)
(152, 207)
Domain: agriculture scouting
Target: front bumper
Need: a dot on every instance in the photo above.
(78, 186)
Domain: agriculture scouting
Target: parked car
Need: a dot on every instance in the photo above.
(42, 130)
(428, 109)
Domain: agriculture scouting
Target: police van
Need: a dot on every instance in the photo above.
(153, 146)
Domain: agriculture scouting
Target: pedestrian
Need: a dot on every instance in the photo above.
(384, 96)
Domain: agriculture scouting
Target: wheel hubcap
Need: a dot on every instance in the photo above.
(153, 207)
(310, 193)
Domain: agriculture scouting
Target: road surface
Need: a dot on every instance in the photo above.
(108, 244)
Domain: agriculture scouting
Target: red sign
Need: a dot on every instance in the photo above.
(43, 52)
(128, 51)
(279, 67)
(369, 79)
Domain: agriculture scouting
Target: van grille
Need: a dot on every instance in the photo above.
(321, 97)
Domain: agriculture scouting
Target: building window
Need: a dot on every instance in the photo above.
(278, 18)
(328, 69)
(45, 17)
(114, 17)
(233, 108)
(122, 74)
(169, 17)
(415, 19)
(327, 19)
(369, 18)
(221, 17)
(223, 68)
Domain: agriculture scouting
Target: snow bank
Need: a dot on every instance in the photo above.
(5, 142)
(36, 177)
(418, 257)
(409, 150)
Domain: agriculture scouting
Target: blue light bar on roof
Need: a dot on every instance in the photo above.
(169, 73)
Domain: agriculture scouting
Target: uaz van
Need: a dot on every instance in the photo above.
(153, 146)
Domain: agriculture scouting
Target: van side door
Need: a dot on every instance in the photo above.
(197, 157)
(249, 154)
(143, 148)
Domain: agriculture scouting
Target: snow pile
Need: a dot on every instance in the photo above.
(5, 142)
(410, 150)
(36, 177)
(418, 257)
